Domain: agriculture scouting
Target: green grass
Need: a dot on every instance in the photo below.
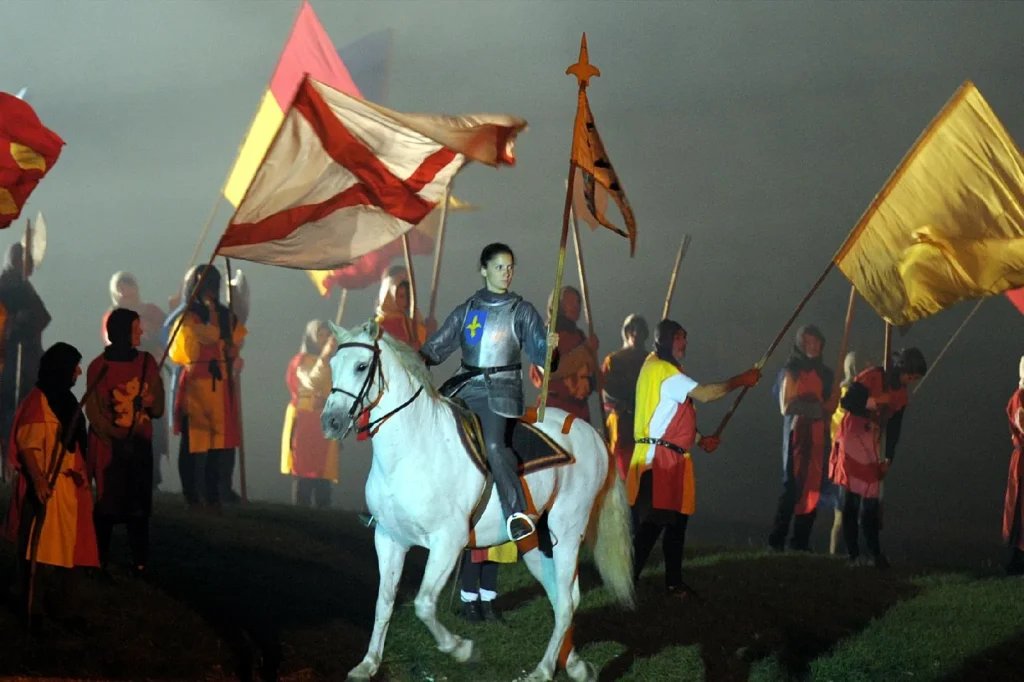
(270, 590)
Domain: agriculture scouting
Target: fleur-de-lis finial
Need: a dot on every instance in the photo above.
(583, 69)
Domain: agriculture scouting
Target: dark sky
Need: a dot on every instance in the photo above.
(762, 129)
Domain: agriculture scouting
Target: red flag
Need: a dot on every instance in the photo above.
(1016, 297)
(28, 150)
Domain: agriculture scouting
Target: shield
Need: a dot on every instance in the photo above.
(37, 240)
(240, 296)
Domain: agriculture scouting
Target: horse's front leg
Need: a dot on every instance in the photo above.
(440, 562)
(390, 559)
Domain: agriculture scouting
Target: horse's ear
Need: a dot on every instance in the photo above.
(372, 329)
(340, 334)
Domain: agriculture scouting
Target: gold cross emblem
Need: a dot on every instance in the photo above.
(474, 326)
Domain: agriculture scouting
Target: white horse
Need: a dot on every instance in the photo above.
(422, 490)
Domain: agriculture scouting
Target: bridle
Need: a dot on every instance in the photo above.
(359, 412)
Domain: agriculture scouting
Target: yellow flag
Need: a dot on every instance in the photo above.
(949, 224)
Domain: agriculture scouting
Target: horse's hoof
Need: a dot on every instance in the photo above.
(537, 675)
(582, 671)
(466, 652)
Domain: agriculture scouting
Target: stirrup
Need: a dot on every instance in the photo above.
(526, 519)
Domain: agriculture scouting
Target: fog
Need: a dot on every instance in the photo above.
(761, 129)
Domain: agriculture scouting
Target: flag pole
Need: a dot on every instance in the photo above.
(341, 306)
(238, 151)
(438, 247)
(586, 309)
(213, 256)
(235, 388)
(948, 344)
(684, 246)
(775, 344)
(411, 316)
(833, 399)
(583, 70)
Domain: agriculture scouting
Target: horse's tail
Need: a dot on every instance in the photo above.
(610, 539)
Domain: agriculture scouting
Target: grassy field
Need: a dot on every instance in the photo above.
(270, 592)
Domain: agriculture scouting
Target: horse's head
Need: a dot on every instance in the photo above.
(356, 379)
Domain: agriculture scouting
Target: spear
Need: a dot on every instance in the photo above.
(684, 246)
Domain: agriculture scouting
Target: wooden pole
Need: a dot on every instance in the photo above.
(341, 307)
(948, 344)
(775, 344)
(235, 388)
(587, 312)
(438, 248)
(410, 319)
(684, 246)
(843, 345)
(555, 298)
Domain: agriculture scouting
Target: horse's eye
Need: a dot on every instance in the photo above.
(361, 367)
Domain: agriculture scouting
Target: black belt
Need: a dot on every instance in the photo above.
(663, 443)
(455, 382)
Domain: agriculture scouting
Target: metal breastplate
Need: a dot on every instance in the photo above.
(488, 334)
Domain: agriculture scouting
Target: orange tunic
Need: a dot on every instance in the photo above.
(304, 450)
(68, 537)
(1013, 507)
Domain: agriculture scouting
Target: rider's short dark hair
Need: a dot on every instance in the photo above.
(495, 249)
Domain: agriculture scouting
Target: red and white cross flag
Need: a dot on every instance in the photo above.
(343, 177)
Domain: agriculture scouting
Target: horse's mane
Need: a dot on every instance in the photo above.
(411, 362)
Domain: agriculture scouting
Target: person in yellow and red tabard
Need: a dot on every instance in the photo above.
(393, 309)
(305, 454)
(660, 483)
(121, 412)
(618, 389)
(44, 422)
(206, 402)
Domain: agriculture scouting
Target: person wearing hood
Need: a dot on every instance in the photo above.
(124, 293)
(570, 387)
(305, 454)
(875, 402)
(393, 309)
(206, 401)
(24, 319)
(618, 389)
(47, 429)
(1013, 506)
(121, 411)
(804, 393)
(660, 483)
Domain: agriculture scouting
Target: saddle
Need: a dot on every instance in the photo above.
(534, 449)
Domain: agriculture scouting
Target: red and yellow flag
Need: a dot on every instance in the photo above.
(28, 150)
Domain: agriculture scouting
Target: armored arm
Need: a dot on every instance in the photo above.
(532, 333)
(445, 340)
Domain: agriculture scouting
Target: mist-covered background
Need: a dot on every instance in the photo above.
(762, 129)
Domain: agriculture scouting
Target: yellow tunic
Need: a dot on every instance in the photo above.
(206, 401)
(648, 395)
(36, 433)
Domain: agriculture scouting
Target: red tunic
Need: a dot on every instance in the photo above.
(807, 444)
(670, 468)
(115, 394)
(1013, 509)
(570, 393)
(310, 450)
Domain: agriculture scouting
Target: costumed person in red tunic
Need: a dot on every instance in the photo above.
(305, 454)
(124, 293)
(876, 400)
(618, 389)
(660, 483)
(1013, 508)
(570, 387)
(393, 309)
(804, 394)
(67, 538)
(121, 413)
